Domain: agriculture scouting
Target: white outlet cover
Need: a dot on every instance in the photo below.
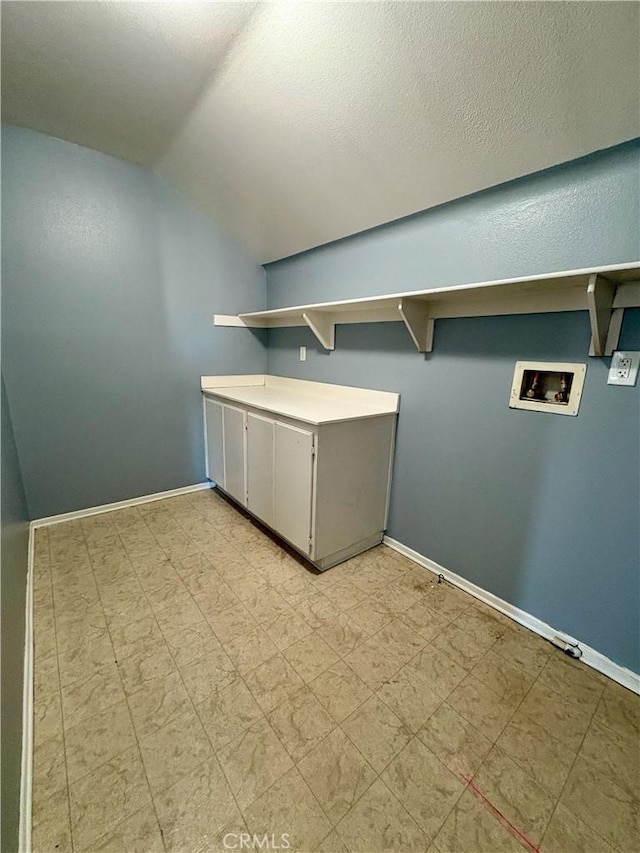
(624, 368)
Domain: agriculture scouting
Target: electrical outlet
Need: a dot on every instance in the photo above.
(303, 353)
(624, 368)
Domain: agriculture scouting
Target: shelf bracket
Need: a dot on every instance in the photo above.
(600, 296)
(322, 327)
(415, 315)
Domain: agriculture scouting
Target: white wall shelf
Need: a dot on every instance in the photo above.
(602, 291)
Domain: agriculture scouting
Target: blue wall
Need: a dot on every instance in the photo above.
(541, 510)
(15, 540)
(110, 282)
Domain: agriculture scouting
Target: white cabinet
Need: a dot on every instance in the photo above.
(311, 461)
(293, 480)
(224, 431)
(214, 440)
(260, 461)
(234, 454)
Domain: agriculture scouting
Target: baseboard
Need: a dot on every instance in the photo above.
(591, 657)
(26, 779)
(96, 510)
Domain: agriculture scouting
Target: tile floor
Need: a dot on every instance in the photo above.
(193, 682)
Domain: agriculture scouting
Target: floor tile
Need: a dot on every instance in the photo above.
(143, 662)
(424, 620)
(619, 710)
(337, 773)
(539, 754)
(447, 601)
(460, 646)
(267, 605)
(342, 633)
(397, 598)
(478, 704)
(250, 649)
(566, 833)
(172, 593)
(79, 659)
(253, 762)
(371, 615)
(616, 756)
(377, 823)
(51, 829)
(340, 690)
(192, 644)
(295, 589)
(375, 663)
(510, 682)
(525, 803)
(455, 741)
(416, 578)
(472, 828)
(565, 720)
(316, 609)
(451, 677)
(289, 814)
(174, 750)
(214, 599)
(232, 623)
(45, 675)
(524, 649)
(139, 833)
(603, 805)
(247, 585)
(228, 712)
(482, 627)
(91, 743)
(273, 682)
(310, 657)
(440, 672)
(409, 696)
(286, 629)
(157, 703)
(195, 809)
(125, 603)
(90, 695)
(49, 768)
(571, 680)
(344, 595)
(377, 732)
(424, 786)
(332, 843)
(179, 615)
(301, 722)
(47, 716)
(106, 796)
(205, 677)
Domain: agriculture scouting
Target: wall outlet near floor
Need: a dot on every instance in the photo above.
(624, 368)
(303, 353)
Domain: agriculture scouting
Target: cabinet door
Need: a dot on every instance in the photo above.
(293, 481)
(215, 446)
(260, 442)
(234, 467)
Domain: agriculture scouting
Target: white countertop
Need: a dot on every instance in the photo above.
(310, 402)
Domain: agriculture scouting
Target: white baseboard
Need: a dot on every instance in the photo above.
(26, 778)
(96, 510)
(591, 657)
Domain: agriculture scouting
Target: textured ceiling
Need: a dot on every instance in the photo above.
(120, 77)
(296, 123)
